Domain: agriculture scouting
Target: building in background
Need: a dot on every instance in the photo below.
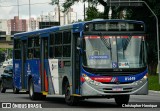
(47, 24)
(17, 24)
(65, 18)
(47, 20)
(5, 40)
(3, 25)
(70, 16)
(33, 24)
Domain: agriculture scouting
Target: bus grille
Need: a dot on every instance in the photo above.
(110, 90)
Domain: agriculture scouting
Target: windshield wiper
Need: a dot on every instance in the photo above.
(107, 44)
(125, 42)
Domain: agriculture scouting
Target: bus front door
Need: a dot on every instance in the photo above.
(44, 59)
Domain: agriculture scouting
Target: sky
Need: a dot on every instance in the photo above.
(9, 8)
(36, 8)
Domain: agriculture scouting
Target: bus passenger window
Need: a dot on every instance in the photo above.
(67, 51)
(51, 44)
(58, 38)
(67, 44)
(30, 53)
(58, 51)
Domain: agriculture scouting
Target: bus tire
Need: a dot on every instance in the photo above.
(122, 99)
(70, 100)
(32, 94)
(3, 90)
(43, 97)
(15, 90)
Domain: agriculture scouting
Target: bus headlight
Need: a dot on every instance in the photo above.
(90, 81)
(144, 78)
(141, 81)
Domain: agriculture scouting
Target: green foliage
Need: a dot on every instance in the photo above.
(92, 13)
(54, 2)
(154, 83)
(3, 51)
(2, 55)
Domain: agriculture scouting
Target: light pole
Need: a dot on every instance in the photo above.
(29, 25)
(18, 15)
(84, 11)
(59, 14)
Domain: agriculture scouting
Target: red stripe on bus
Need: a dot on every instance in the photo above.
(92, 37)
(124, 36)
(45, 81)
(107, 37)
(137, 37)
(98, 79)
(82, 79)
(102, 79)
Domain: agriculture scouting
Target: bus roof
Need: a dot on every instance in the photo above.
(78, 26)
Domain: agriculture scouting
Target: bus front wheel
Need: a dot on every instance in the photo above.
(32, 94)
(122, 99)
(70, 100)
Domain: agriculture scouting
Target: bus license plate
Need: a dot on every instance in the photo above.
(117, 89)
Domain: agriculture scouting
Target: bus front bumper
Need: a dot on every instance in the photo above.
(136, 88)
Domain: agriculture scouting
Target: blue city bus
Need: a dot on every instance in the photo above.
(91, 59)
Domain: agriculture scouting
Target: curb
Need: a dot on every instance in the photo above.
(152, 91)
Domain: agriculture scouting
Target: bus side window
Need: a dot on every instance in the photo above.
(17, 49)
(58, 44)
(51, 45)
(67, 44)
(30, 48)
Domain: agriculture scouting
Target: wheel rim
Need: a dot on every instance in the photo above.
(31, 90)
(68, 96)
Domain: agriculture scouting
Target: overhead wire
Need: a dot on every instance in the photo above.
(24, 4)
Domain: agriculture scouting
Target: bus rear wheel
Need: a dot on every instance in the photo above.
(70, 100)
(15, 90)
(122, 99)
(32, 94)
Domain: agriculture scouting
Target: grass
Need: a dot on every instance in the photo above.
(154, 82)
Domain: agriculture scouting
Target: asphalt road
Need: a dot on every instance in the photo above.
(57, 103)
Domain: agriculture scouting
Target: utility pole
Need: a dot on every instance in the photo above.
(29, 24)
(18, 14)
(59, 14)
(84, 11)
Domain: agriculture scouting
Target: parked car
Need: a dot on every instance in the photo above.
(6, 81)
(5, 63)
(1, 64)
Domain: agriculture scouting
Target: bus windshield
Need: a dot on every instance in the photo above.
(114, 51)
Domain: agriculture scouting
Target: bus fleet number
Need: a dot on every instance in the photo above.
(130, 78)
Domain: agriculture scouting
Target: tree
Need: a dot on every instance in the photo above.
(93, 13)
(2, 55)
